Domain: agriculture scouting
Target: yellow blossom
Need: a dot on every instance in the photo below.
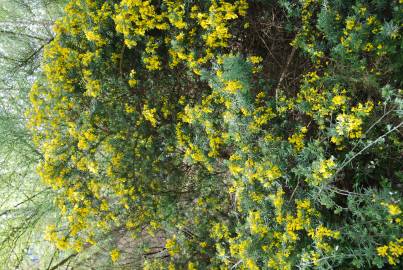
(149, 115)
(393, 209)
(115, 254)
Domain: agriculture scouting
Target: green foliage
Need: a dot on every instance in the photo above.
(24, 204)
(224, 134)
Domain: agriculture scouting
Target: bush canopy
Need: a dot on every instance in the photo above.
(225, 134)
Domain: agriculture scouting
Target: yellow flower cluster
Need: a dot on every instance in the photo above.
(115, 254)
(61, 242)
(322, 171)
(83, 161)
(297, 139)
(149, 115)
(350, 125)
(284, 242)
(232, 86)
(178, 26)
(172, 246)
(392, 251)
(256, 224)
(247, 170)
(393, 209)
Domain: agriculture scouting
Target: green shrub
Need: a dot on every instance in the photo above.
(159, 118)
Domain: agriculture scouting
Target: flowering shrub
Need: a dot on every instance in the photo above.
(158, 118)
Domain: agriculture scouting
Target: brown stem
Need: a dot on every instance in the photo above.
(290, 57)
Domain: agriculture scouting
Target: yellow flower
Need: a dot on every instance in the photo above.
(339, 100)
(104, 206)
(92, 36)
(233, 86)
(315, 258)
(368, 47)
(349, 125)
(297, 140)
(152, 62)
(191, 266)
(323, 170)
(394, 209)
(50, 234)
(256, 223)
(149, 114)
(129, 108)
(250, 264)
(350, 24)
(78, 246)
(132, 82)
(115, 254)
(392, 251)
(61, 243)
(172, 246)
(255, 59)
